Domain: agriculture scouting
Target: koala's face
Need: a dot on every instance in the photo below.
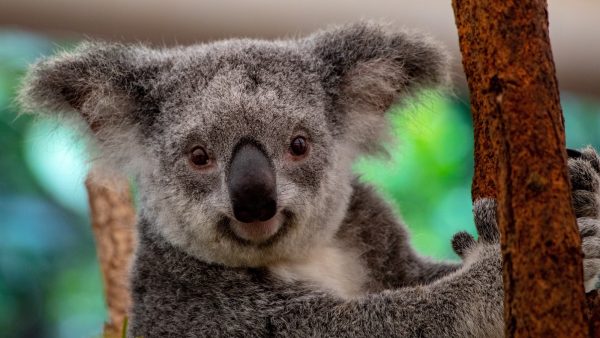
(243, 148)
(247, 163)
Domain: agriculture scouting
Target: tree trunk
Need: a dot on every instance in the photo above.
(520, 160)
(593, 299)
(113, 220)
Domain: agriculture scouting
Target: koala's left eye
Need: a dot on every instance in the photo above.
(298, 146)
(199, 157)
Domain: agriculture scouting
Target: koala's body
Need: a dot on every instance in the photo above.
(251, 222)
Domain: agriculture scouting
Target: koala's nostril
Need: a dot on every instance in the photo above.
(251, 212)
(243, 215)
(251, 183)
(267, 211)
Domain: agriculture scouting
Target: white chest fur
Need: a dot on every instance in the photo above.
(330, 269)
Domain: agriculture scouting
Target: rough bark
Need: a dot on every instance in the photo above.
(521, 160)
(113, 219)
(593, 299)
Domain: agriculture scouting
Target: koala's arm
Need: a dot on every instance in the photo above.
(176, 295)
(395, 264)
(383, 236)
(373, 229)
(465, 303)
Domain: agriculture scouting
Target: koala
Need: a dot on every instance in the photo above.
(251, 222)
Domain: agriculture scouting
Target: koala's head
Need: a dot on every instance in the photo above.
(242, 148)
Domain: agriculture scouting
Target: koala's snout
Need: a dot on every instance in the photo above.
(252, 185)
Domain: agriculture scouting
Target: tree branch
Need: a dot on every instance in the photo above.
(521, 160)
(113, 219)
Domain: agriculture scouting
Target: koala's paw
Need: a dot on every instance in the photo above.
(584, 172)
(484, 212)
(590, 242)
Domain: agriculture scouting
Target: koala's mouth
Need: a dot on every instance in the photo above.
(260, 234)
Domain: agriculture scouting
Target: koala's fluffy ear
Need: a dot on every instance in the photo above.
(109, 85)
(367, 68)
(104, 83)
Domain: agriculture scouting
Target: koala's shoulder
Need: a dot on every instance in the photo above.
(372, 228)
(368, 206)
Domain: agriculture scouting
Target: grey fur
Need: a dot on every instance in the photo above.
(584, 172)
(585, 182)
(193, 275)
(408, 296)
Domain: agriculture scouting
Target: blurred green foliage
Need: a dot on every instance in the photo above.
(428, 171)
(50, 285)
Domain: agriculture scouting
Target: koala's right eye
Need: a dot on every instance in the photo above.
(199, 157)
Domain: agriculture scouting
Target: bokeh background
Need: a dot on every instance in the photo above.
(50, 283)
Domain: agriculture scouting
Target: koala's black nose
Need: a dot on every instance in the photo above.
(251, 184)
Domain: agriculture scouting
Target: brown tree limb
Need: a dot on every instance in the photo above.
(593, 312)
(521, 160)
(113, 219)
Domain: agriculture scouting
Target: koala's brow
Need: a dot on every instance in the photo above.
(192, 140)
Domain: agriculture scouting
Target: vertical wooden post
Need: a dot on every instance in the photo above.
(113, 220)
(521, 160)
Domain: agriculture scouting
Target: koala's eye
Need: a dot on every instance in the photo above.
(299, 146)
(199, 157)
